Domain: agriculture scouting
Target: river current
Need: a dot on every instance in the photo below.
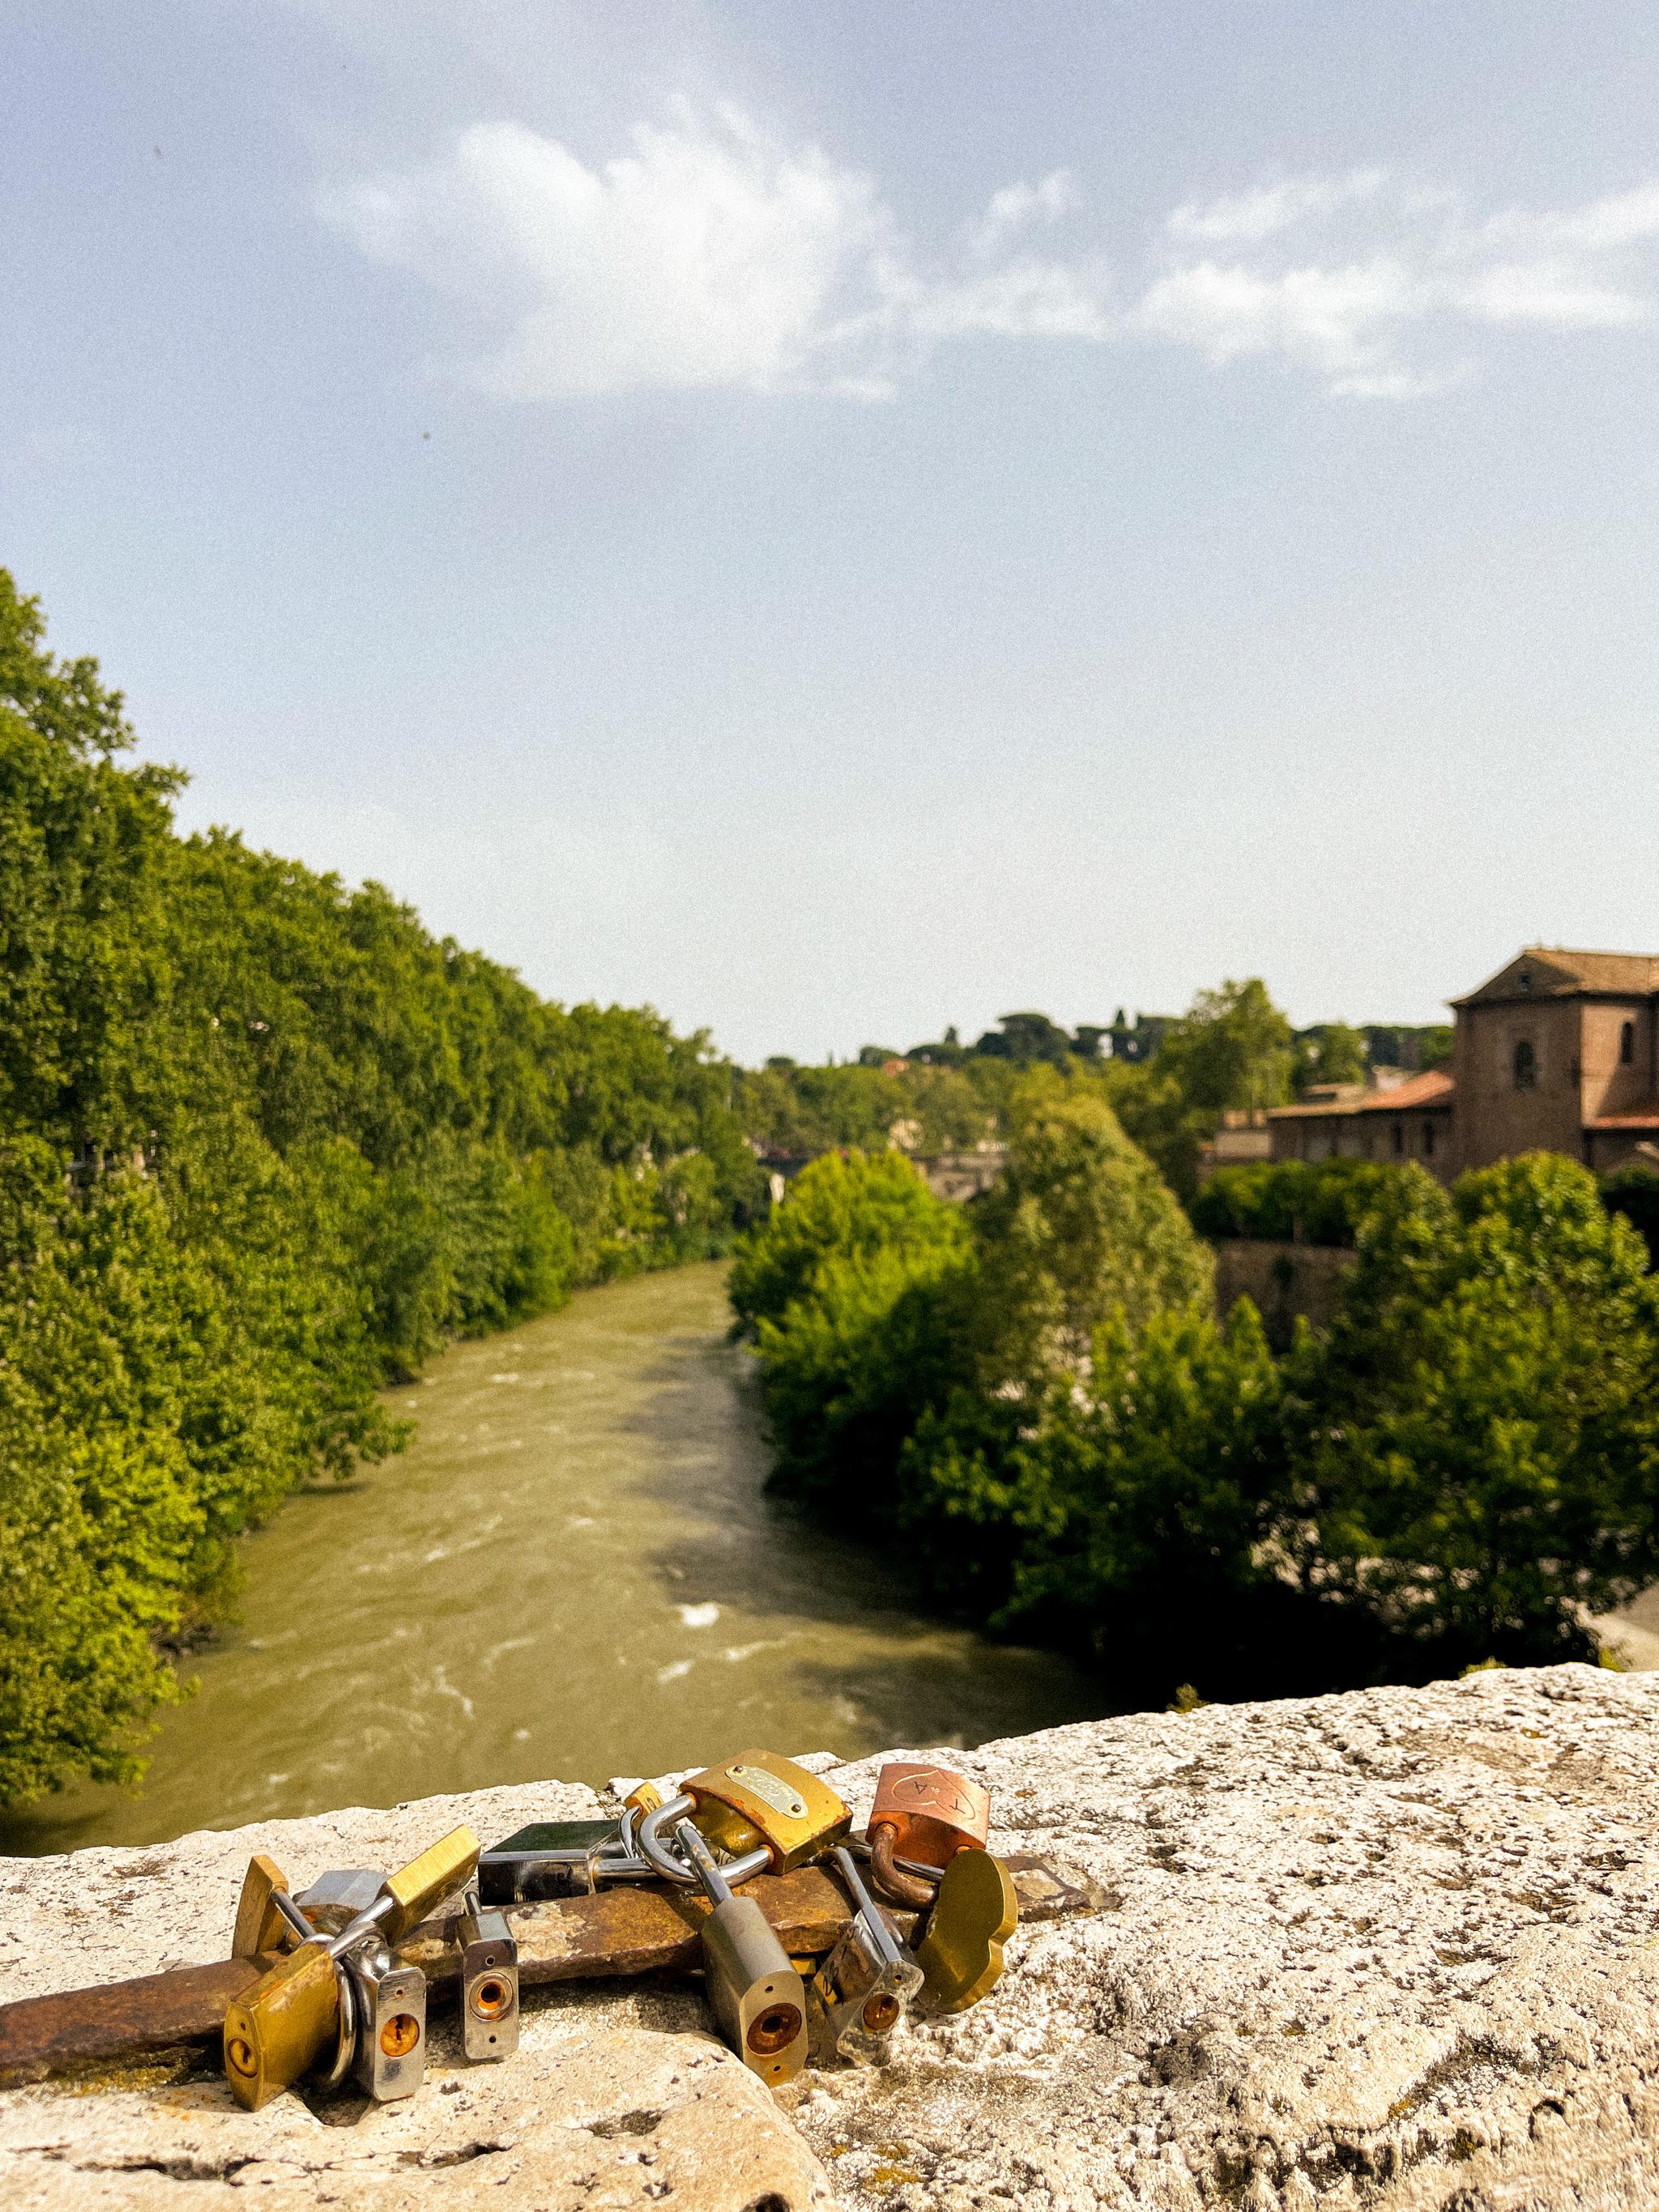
(574, 1571)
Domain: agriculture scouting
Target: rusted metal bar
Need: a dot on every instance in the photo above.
(633, 1928)
(617, 1932)
(40, 2037)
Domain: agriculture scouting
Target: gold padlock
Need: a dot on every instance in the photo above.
(278, 2031)
(973, 1915)
(760, 1798)
(259, 1926)
(286, 2021)
(439, 1872)
(643, 1798)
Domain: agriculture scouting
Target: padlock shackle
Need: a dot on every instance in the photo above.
(672, 1868)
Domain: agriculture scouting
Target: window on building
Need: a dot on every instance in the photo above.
(1428, 1140)
(1627, 1044)
(1398, 1137)
(1526, 1066)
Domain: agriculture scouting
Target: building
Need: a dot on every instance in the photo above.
(1558, 1052)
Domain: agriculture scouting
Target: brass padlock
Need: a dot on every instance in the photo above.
(857, 1997)
(973, 1914)
(259, 1922)
(925, 1814)
(291, 2018)
(489, 1983)
(285, 2022)
(438, 1872)
(754, 1993)
(758, 1798)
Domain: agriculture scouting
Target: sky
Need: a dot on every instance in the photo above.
(836, 520)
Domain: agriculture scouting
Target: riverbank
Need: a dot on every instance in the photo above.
(574, 1570)
(1391, 1949)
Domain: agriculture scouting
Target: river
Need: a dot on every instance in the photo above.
(573, 1570)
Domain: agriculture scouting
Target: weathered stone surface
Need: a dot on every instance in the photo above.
(1392, 1949)
(1395, 1950)
(618, 2098)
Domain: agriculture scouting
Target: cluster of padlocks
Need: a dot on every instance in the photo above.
(340, 2005)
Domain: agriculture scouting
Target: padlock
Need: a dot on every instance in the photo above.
(973, 1914)
(296, 2015)
(549, 1858)
(279, 2029)
(760, 1799)
(489, 1983)
(858, 1995)
(390, 2056)
(925, 1814)
(260, 1925)
(755, 1993)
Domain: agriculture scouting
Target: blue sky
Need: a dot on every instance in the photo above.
(839, 519)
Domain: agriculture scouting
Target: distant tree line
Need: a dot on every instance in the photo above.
(1032, 1397)
(264, 1143)
(1169, 1079)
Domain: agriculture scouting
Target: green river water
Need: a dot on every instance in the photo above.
(573, 1571)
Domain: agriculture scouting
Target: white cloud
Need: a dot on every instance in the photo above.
(707, 256)
(1247, 218)
(711, 254)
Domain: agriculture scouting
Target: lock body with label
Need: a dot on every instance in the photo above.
(755, 1993)
(489, 1983)
(759, 1798)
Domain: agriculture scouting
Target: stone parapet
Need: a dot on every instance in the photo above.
(1394, 1950)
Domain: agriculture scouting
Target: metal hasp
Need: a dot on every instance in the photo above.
(927, 1814)
(489, 1983)
(858, 1995)
(754, 1993)
(973, 1914)
(758, 1798)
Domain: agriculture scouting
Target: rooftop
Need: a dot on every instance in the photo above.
(1549, 971)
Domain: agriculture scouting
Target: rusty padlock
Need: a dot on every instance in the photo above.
(927, 1814)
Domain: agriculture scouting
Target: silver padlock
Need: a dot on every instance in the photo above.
(390, 2057)
(489, 1983)
(858, 1995)
(754, 1993)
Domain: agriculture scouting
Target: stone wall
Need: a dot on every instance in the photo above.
(1394, 1950)
(1283, 1280)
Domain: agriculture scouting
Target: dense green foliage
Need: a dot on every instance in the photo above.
(264, 1144)
(1633, 1191)
(1034, 1398)
(1307, 1201)
(1474, 1447)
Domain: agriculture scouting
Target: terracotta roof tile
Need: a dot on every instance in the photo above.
(1433, 1088)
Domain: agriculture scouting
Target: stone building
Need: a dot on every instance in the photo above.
(1558, 1052)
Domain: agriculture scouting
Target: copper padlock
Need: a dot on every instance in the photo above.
(927, 1814)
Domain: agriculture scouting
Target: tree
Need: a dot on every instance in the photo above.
(1333, 1052)
(1079, 1226)
(1473, 1448)
(1231, 1050)
(1026, 1039)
